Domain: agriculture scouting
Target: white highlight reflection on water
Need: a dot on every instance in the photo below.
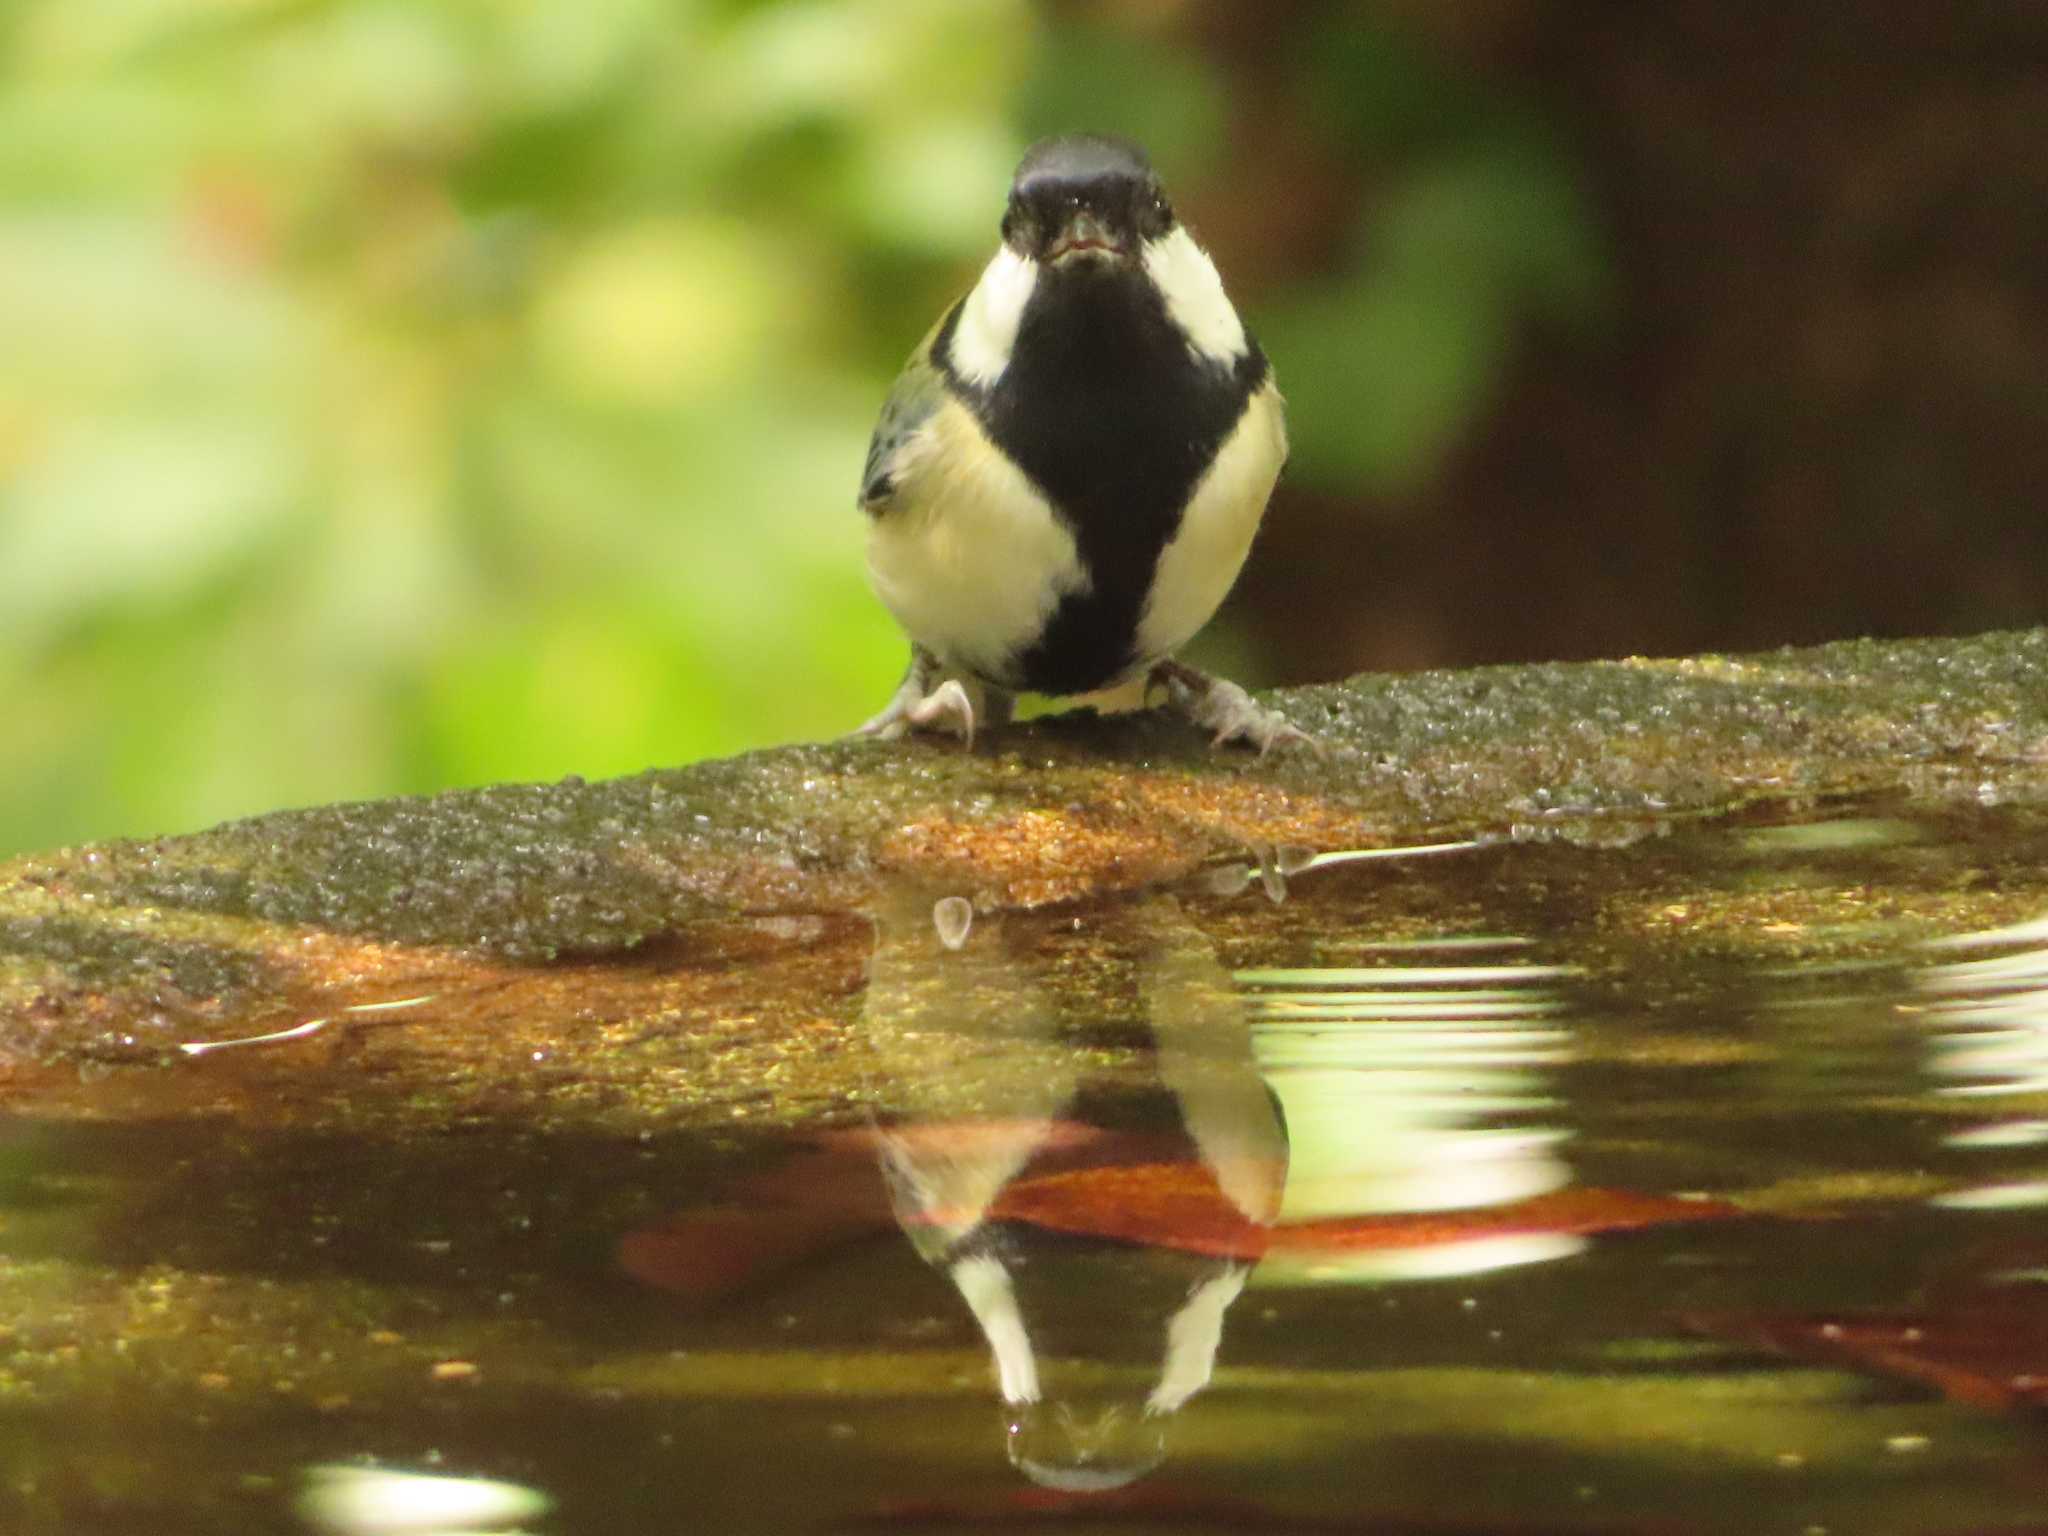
(1991, 1018)
(1404, 1088)
(376, 1501)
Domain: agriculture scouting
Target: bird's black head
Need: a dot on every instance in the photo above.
(1084, 198)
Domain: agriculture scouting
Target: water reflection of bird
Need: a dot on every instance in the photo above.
(1067, 475)
(982, 1036)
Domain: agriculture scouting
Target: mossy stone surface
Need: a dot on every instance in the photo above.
(105, 945)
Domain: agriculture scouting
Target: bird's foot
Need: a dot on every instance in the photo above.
(1221, 707)
(894, 717)
(917, 706)
(946, 708)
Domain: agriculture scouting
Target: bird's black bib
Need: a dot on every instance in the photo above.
(1115, 418)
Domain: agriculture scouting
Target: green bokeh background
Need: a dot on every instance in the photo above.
(402, 395)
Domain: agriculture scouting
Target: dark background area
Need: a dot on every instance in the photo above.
(1813, 400)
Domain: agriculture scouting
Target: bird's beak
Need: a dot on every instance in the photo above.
(1086, 235)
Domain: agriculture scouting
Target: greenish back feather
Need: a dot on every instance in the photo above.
(919, 390)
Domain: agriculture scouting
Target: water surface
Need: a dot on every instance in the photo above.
(1690, 1185)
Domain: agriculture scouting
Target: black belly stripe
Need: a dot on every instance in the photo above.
(1109, 412)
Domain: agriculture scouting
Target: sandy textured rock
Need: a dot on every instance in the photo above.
(111, 947)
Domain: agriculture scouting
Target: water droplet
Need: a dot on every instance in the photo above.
(953, 916)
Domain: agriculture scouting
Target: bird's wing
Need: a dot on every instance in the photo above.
(919, 391)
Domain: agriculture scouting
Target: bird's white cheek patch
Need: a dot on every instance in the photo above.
(987, 329)
(1196, 570)
(970, 558)
(1193, 291)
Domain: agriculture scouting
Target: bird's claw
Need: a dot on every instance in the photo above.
(1229, 713)
(894, 718)
(946, 708)
(1232, 715)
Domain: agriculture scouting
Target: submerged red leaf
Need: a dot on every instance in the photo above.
(1178, 1205)
(1165, 1204)
(1577, 1211)
(823, 1193)
(1086, 1181)
(1995, 1358)
(1981, 1341)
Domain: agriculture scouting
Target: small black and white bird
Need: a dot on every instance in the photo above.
(1068, 473)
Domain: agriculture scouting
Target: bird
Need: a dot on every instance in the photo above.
(1067, 476)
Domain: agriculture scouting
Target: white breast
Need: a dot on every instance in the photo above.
(969, 558)
(1197, 569)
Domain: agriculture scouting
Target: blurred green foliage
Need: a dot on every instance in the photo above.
(1482, 223)
(398, 395)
